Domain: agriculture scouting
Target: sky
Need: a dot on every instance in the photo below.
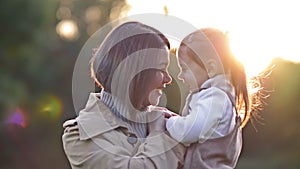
(259, 30)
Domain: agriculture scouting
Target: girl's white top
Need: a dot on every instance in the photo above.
(207, 114)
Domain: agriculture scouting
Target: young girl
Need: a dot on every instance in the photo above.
(218, 104)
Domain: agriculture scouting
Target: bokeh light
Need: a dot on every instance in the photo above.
(93, 14)
(18, 117)
(93, 17)
(67, 29)
(50, 107)
(63, 13)
(119, 11)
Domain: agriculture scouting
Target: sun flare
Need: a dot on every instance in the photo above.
(259, 31)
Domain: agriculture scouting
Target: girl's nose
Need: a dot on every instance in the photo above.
(180, 76)
(167, 78)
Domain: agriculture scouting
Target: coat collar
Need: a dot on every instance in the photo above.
(96, 118)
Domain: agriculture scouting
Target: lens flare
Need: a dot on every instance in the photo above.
(50, 107)
(18, 118)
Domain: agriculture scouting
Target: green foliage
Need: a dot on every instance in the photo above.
(36, 68)
(20, 62)
(277, 143)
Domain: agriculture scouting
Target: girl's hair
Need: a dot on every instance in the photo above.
(235, 68)
(121, 42)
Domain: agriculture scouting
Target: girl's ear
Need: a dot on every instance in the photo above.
(212, 68)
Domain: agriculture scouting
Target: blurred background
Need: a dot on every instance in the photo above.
(39, 45)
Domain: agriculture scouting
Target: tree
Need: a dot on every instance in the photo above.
(36, 68)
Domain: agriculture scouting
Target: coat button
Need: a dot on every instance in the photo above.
(132, 138)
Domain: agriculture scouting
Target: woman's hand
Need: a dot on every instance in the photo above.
(157, 118)
(156, 122)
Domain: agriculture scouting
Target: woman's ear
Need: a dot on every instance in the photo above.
(212, 68)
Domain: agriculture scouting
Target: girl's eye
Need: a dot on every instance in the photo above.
(163, 71)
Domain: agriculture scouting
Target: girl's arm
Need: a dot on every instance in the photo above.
(206, 110)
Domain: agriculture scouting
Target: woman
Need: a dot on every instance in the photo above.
(117, 128)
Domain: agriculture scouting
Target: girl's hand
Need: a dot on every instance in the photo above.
(167, 113)
(170, 114)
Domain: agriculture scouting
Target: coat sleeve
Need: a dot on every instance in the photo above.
(159, 151)
(162, 151)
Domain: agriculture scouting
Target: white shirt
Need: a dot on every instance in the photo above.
(208, 113)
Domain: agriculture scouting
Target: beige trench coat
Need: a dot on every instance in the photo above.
(97, 139)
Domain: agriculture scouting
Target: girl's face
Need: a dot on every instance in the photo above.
(152, 81)
(191, 73)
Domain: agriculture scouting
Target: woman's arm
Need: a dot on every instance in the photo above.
(108, 151)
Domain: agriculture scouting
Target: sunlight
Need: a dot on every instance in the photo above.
(259, 31)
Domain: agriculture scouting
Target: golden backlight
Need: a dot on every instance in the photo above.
(259, 31)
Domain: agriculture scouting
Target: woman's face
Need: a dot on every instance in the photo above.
(149, 90)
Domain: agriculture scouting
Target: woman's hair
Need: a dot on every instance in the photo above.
(121, 42)
(235, 68)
